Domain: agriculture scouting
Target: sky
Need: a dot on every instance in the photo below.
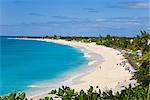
(74, 17)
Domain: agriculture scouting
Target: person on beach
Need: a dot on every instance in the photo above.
(100, 67)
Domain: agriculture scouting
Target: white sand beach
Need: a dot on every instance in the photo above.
(109, 74)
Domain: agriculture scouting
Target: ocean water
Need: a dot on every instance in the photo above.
(27, 62)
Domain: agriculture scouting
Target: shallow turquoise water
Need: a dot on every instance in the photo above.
(27, 62)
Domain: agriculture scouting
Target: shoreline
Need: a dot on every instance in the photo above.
(107, 74)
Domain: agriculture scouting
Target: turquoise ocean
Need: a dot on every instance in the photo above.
(27, 64)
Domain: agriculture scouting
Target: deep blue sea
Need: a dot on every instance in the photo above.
(26, 62)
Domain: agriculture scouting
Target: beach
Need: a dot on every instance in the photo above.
(113, 72)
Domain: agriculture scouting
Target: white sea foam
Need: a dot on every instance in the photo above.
(82, 50)
(91, 63)
(33, 86)
(87, 55)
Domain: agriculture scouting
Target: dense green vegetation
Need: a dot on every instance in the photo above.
(142, 74)
(14, 96)
(136, 93)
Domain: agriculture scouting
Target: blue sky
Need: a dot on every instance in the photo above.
(74, 17)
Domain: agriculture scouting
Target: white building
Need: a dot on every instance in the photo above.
(139, 53)
(148, 43)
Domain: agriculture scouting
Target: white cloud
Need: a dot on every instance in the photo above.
(140, 5)
(100, 19)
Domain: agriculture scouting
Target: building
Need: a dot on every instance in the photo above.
(139, 53)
